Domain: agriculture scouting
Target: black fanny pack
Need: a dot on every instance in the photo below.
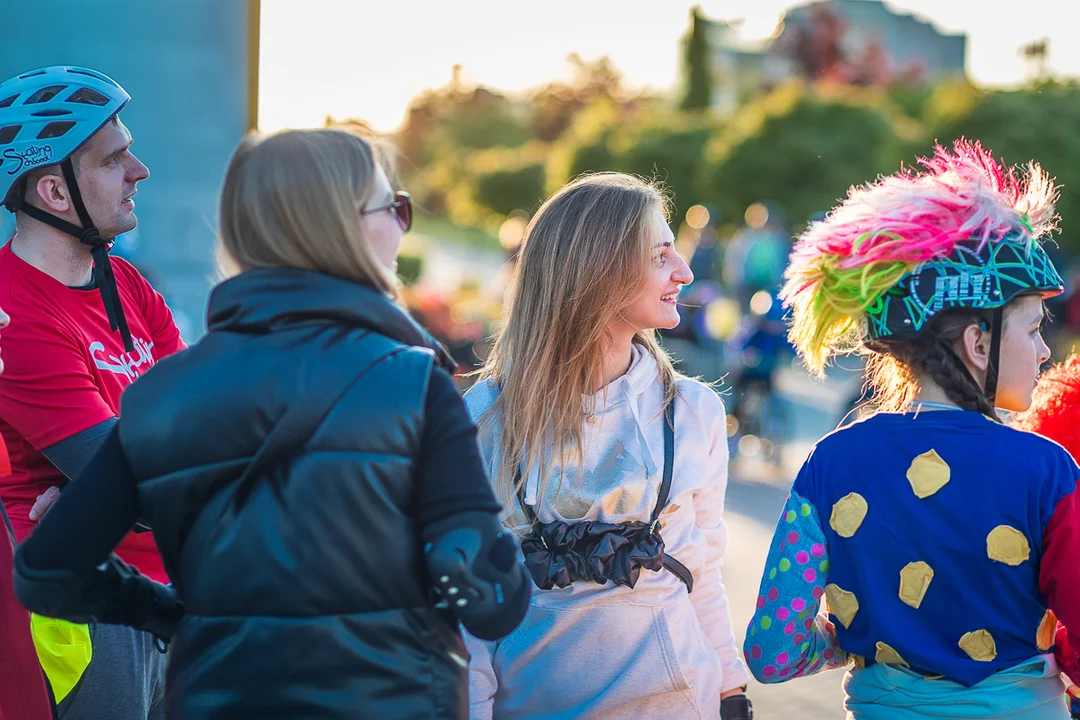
(558, 553)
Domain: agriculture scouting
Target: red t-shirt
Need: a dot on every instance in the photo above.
(22, 686)
(64, 371)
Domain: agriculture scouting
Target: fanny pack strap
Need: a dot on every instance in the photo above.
(671, 564)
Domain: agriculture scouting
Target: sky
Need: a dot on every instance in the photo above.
(366, 59)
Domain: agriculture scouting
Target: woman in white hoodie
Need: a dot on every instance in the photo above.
(621, 519)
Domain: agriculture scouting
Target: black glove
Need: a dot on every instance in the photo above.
(736, 707)
(114, 594)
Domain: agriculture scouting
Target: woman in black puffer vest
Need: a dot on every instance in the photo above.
(309, 471)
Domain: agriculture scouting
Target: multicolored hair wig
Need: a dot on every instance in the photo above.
(1055, 407)
(959, 232)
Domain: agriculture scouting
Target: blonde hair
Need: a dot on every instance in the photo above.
(293, 199)
(584, 254)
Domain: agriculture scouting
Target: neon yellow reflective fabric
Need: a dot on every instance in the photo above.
(63, 650)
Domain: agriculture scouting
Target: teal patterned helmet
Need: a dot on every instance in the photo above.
(963, 231)
(977, 275)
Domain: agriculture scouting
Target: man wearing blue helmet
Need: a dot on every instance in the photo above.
(87, 326)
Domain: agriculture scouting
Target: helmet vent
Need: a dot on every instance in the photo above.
(8, 134)
(51, 112)
(90, 73)
(6, 102)
(87, 97)
(45, 94)
(55, 129)
(32, 74)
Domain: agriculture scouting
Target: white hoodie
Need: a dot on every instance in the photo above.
(604, 651)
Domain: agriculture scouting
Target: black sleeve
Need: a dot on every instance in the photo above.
(71, 455)
(451, 478)
(91, 517)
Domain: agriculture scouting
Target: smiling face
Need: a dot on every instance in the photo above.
(666, 274)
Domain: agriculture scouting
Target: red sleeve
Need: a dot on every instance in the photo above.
(1059, 579)
(47, 390)
(159, 318)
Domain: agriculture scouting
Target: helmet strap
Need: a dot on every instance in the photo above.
(89, 235)
(994, 360)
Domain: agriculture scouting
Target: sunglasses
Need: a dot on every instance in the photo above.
(400, 208)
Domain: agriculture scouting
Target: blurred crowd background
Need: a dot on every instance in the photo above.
(753, 137)
(756, 115)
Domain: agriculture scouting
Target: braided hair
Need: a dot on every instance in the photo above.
(893, 368)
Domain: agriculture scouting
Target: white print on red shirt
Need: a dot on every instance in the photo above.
(127, 364)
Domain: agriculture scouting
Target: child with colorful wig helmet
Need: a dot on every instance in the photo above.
(943, 541)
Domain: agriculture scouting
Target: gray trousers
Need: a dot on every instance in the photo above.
(124, 681)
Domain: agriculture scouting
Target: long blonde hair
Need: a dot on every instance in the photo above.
(585, 253)
(293, 199)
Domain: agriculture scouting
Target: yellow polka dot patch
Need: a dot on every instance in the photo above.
(887, 655)
(914, 582)
(848, 514)
(979, 645)
(1007, 545)
(928, 474)
(843, 604)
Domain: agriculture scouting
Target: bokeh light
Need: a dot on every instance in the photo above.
(722, 318)
(761, 302)
(697, 217)
(512, 230)
(756, 216)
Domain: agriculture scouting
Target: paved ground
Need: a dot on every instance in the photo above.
(756, 494)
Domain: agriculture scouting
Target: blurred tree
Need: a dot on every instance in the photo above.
(1036, 123)
(452, 118)
(804, 149)
(1037, 54)
(584, 146)
(671, 152)
(484, 119)
(555, 105)
(509, 180)
(815, 47)
(871, 67)
(696, 64)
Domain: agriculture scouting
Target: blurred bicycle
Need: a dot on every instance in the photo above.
(757, 424)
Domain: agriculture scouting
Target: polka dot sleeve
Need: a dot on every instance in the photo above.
(787, 637)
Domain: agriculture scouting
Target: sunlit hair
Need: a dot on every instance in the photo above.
(584, 258)
(293, 199)
(893, 369)
(840, 267)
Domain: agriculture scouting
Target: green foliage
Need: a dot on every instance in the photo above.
(437, 226)
(1037, 123)
(595, 156)
(509, 180)
(803, 149)
(472, 157)
(654, 142)
(409, 267)
(490, 123)
(584, 147)
(696, 65)
(672, 153)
